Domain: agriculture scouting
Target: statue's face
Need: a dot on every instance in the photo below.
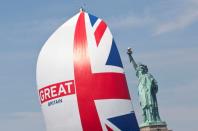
(138, 73)
(141, 70)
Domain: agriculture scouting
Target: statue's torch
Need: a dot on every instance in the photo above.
(129, 52)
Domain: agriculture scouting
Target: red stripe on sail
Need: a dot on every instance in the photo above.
(110, 86)
(108, 128)
(100, 31)
(82, 70)
(89, 86)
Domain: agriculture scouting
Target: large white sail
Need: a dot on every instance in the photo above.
(81, 81)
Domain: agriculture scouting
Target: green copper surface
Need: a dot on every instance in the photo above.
(147, 90)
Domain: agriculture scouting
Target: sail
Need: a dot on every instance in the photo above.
(81, 81)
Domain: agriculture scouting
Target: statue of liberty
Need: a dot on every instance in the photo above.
(147, 90)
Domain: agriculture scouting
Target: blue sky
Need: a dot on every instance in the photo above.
(162, 33)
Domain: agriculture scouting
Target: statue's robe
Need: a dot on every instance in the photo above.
(147, 89)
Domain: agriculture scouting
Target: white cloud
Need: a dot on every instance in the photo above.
(180, 118)
(22, 121)
(185, 94)
(170, 18)
(171, 58)
(129, 21)
(184, 18)
(181, 106)
(23, 31)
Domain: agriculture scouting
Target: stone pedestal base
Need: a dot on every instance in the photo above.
(154, 128)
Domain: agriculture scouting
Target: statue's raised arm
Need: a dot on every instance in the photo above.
(129, 52)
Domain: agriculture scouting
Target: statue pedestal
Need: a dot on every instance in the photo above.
(160, 127)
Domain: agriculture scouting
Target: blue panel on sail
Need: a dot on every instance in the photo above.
(93, 19)
(114, 56)
(126, 122)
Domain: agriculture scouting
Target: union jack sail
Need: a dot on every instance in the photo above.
(81, 81)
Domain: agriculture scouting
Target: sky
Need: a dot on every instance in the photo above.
(162, 33)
